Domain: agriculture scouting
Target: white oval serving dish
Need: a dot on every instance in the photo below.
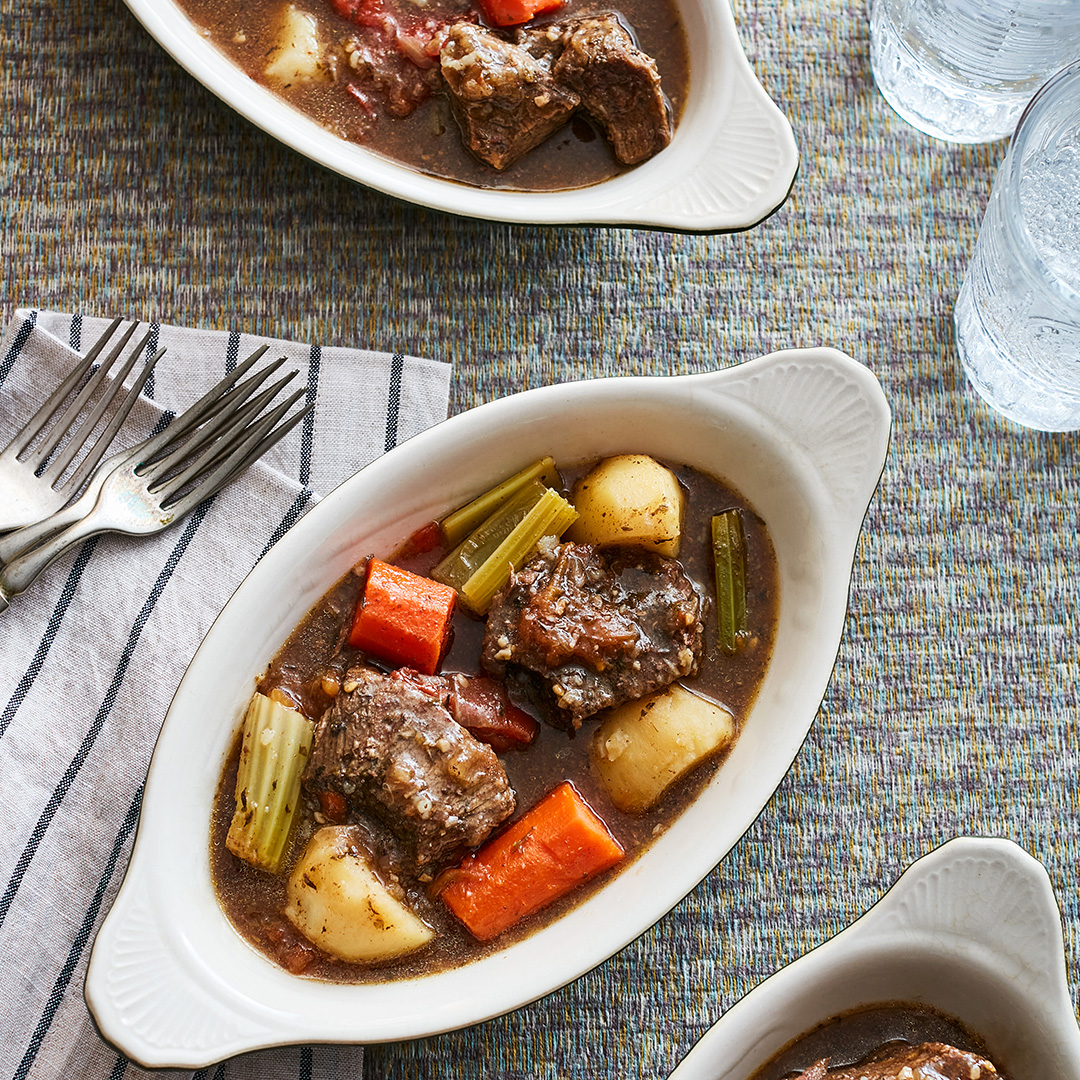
(972, 929)
(803, 434)
(730, 164)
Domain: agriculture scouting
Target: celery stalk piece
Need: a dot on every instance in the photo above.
(551, 516)
(729, 561)
(457, 525)
(275, 748)
(477, 547)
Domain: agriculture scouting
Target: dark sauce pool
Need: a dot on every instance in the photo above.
(253, 899)
(849, 1038)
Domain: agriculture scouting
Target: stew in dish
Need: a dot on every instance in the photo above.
(893, 1041)
(460, 743)
(522, 94)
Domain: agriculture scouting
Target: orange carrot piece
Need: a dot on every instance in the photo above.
(403, 618)
(559, 844)
(515, 12)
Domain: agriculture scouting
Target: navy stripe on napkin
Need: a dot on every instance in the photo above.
(82, 938)
(307, 439)
(17, 345)
(60, 791)
(393, 409)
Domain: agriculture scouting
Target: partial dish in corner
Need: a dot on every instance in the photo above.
(801, 436)
(641, 115)
(891, 1041)
(969, 937)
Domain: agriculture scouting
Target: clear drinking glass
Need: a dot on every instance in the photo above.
(963, 70)
(1018, 313)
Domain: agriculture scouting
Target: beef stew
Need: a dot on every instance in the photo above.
(435, 88)
(414, 844)
(890, 1041)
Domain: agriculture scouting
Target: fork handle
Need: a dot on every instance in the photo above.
(19, 574)
(12, 544)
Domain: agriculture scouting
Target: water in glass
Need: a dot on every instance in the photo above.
(1018, 313)
(963, 70)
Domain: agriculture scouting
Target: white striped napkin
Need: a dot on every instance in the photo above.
(93, 651)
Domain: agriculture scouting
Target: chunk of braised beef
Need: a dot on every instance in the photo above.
(544, 43)
(505, 99)
(391, 748)
(925, 1061)
(594, 628)
(618, 84)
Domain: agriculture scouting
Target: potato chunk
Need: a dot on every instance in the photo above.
(629, 499)
(646, 745)
(297, 56)
(338, 903)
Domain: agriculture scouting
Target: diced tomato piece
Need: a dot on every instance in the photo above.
(291, 952)
(482, 706)
(333, 806)
(426, 538)
(350, 8)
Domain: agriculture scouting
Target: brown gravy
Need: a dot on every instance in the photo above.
(853, 1036)
(427, 139)
(254, 900)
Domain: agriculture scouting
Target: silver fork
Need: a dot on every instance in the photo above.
(192, 459)
(32, 485)
(230, 391)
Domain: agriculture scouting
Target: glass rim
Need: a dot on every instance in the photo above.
(1016, 222)
(1047, 87)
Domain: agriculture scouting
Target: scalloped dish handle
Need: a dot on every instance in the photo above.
(743, 174)
(985, 891)
(147, 1002)
(827, 405)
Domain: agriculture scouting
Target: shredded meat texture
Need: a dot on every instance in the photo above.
(511, 93)
(595, 628)
(926, 1061)
(505, 99)
(389, 747)
(619, 86)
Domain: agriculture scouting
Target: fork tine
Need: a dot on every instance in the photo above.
(242, 391)
(57, 398)
(88, 464)
(86, 427)
(218, 397)
(218, 437)
(226, 451)
(66, 423)
(253, 447)
(281, 430)
(221, 426)
(268, 440)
